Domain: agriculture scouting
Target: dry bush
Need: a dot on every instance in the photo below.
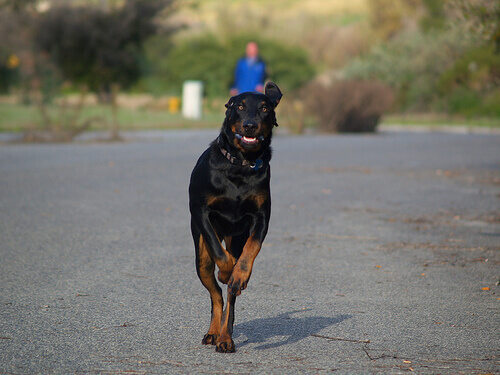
(64, 125)
(348, 106)
(291, 114)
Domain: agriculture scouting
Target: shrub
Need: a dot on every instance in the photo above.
(212, 61)
(478, 69)
(63, 126)
(470, 85)
(350, 106)
(412, 64)
(470, 103)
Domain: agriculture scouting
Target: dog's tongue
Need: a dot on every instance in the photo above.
(249, 139)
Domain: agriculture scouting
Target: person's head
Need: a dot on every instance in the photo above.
(252, 50)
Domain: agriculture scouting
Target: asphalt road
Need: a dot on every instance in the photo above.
(382, 256)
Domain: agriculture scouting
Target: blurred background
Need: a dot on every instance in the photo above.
(67, 66)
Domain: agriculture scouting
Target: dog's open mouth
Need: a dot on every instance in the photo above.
(247, 140)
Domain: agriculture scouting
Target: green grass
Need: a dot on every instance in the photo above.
(16, 118)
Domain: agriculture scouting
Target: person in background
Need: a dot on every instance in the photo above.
(250, 72)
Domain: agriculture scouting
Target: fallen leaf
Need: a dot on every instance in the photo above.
(486, 288)
(423, 274)
(377, 266)
(406, 361)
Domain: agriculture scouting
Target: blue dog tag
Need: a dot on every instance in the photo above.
(258, 163)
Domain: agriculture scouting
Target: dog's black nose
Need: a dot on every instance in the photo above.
(250, 127)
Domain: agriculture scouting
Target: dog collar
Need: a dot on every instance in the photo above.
(256, 165)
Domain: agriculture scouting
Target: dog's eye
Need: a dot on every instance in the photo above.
(264, 109)
(241, 108)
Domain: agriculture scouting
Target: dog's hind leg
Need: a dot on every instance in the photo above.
(225, 342)
(205, 268)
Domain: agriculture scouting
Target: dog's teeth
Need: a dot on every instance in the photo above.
(249, 139)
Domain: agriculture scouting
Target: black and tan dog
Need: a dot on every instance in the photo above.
(230, 202)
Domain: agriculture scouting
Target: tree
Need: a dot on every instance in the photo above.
(16, 4)
(99, 47)
(478, 16)
(16, 58)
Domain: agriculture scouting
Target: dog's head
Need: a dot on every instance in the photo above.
(250, 118)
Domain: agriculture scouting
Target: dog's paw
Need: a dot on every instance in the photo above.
(235, 286)
(225, 347)
(238, 281)
(209, 339)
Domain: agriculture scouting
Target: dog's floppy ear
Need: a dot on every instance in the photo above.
(273, 92)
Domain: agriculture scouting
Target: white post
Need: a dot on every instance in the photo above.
(192, 95)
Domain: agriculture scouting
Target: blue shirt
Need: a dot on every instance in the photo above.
(249, 73)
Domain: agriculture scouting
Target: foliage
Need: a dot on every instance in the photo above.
(478, 69)
(16, 4)
(449, 63)
(97, 47)
(350, 106)
(14, 43)
(212, 61)
(473, 76)
(435, 18)
(9, 71)
(480, 17)
(412, 64)
(387, 17)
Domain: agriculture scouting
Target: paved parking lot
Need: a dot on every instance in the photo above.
(382, 257)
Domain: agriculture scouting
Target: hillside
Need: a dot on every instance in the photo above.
(282, 19)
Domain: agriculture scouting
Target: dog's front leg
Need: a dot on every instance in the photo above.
(243, 267)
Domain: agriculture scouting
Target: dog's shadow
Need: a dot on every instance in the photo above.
(283, 329)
